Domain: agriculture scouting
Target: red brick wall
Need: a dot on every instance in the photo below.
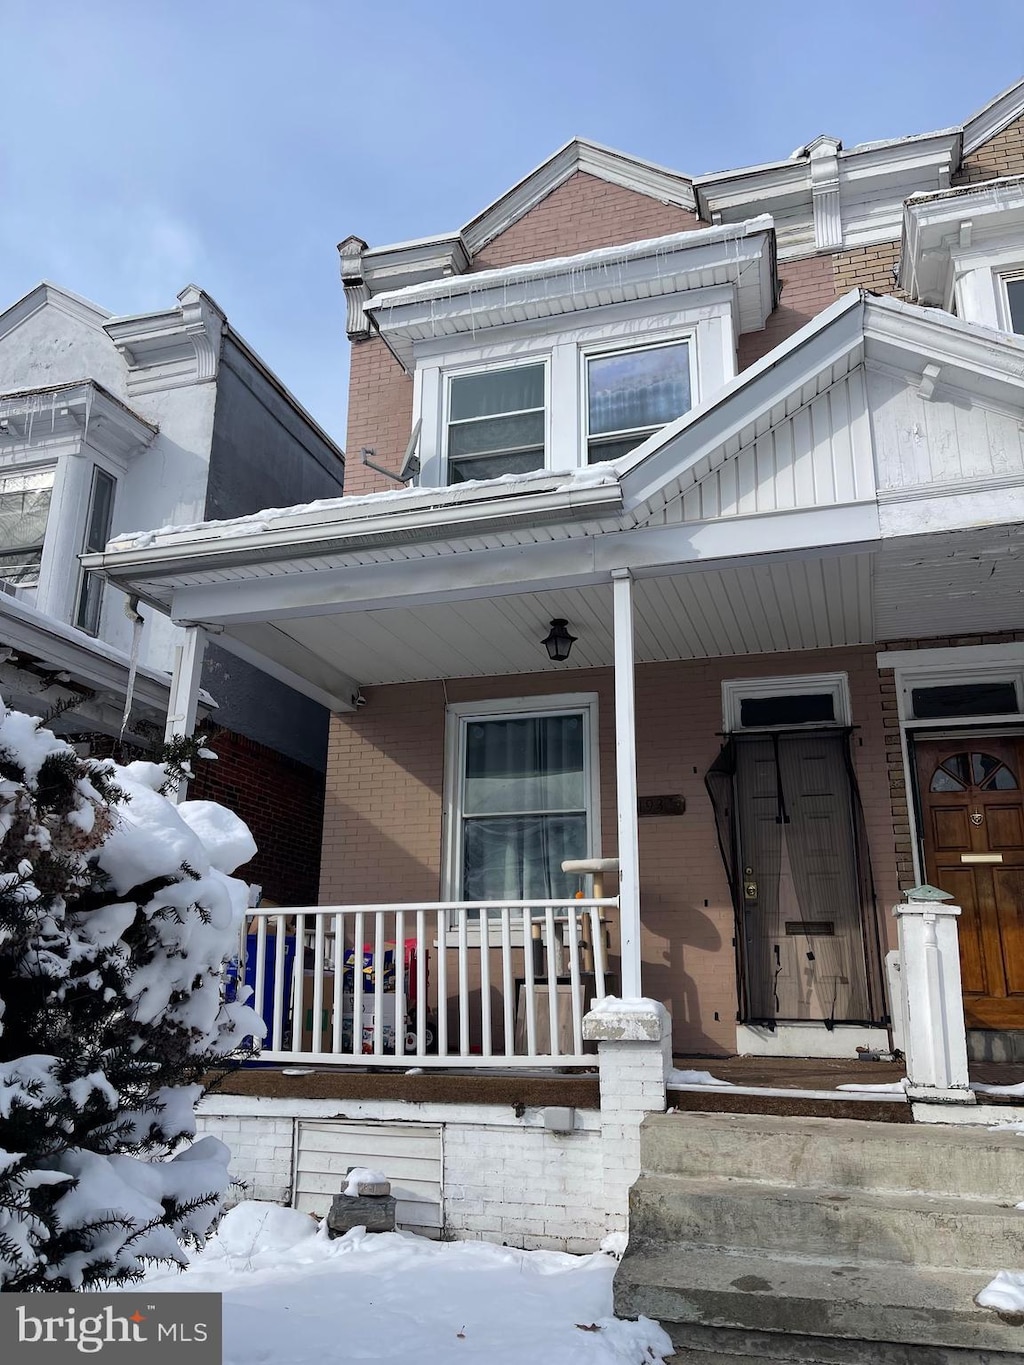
(379, 415)
(582, 214)
(383, 824)
(808, 286)
(281, 801)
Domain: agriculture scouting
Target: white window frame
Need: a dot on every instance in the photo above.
(596, 350)
(81, 589)
(465, 371)
(458, 716)
(705, 322)
(736, 690)
(1003, 278)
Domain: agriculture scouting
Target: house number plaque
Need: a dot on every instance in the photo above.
(661, 805)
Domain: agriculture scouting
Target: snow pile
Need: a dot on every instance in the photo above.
(677, 1077)
(363, 1175)
(883, 1088)
(225, 837)
(291, 1294)
(1005, 1293)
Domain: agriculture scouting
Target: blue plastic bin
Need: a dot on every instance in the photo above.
(269, 980)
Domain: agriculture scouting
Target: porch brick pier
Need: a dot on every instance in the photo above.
(634, 1046)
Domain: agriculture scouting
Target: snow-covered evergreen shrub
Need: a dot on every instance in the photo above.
(116, 913)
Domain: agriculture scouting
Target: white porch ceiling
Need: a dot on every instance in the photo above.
(749, 608)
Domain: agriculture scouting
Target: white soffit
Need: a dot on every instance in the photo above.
(810, 603)
(739, 255)
(959, 582)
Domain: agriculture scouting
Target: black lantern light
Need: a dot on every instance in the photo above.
(558, 642)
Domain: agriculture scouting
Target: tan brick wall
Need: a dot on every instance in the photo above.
(383, 829)
(866, 267)
(582, 214)
(807, 287)
(379, 415)
(1001, 155)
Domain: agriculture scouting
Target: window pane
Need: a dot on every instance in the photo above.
(600, 451)
(482, 395)
(522, 432)
(638, 388)
(1015, 293)
(535, 763)
(24, 508)
(799, 709)
(494, 466)
(101, 510)
(520, 857)
(964, 699)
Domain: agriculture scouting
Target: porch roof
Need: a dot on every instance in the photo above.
(461, 581)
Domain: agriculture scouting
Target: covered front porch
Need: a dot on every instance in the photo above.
(735, 588)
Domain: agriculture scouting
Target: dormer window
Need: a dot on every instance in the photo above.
(24, 511)
(630, 394)
(496, 421)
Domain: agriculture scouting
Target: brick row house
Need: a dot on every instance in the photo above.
(670, 625)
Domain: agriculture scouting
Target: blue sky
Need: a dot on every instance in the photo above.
(233, 144)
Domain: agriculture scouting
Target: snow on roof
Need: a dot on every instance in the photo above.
(386, 503)
(556, 265)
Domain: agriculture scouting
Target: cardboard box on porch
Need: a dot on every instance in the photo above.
(324, 1041)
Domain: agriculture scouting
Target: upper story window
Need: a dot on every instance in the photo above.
(24, 511)
(496, 421)
(630, 394)
(1015, 303)
(97, 533)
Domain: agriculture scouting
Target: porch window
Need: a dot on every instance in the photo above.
(523, 803)
(630, 394)
(97, 533)
(496, 421)
(24, 511)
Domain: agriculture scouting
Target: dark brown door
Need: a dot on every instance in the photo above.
(973, 830)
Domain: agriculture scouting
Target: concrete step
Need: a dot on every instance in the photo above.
(904, 1229)
(739, 1306)
(936, 1159)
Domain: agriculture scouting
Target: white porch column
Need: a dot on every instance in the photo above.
(934, 1031)
(625, 786)
(183, 701)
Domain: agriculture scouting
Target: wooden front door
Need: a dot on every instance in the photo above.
(972, 811)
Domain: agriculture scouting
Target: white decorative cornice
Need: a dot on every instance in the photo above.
(823, 156)
(51, 295)
(993, 117)
(170, 349)
(357, 324)
(739, 255)
(825, 197)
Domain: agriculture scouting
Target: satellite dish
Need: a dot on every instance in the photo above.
(410, 465)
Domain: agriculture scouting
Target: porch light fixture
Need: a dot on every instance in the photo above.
(558, 642)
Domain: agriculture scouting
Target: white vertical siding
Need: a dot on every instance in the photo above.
(816, 456)
(409, 1154)
(945, 440)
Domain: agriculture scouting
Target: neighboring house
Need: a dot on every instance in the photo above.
(115, 424)
(754, 440)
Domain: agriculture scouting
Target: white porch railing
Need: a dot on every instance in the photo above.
(433, 984)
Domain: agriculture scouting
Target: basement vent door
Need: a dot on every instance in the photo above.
(409, 1154)
(792, 837)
